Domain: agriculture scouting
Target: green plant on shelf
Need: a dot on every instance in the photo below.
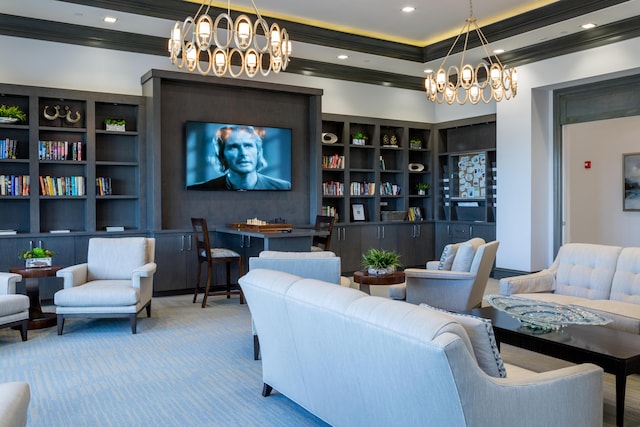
(415, 143)
(13, 112)
(36, 253)
(422, 188)
(115, 122)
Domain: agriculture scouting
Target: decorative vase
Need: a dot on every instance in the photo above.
(37, 262)
(373, 271)
(421, 192)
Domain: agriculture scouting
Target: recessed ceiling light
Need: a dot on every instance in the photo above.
(588, 26)
(428, 70)
(408, 9)
(343, 56)
(498, 51)
(110, 19)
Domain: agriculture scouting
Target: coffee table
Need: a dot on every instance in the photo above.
(615, 351)
(365, 280)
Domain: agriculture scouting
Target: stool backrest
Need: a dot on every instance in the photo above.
(324, 223)
(201, 236)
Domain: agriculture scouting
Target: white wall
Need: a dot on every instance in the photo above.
(49, 64)
(593, 197)
(524, 148)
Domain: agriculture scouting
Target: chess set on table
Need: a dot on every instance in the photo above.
(260, 226)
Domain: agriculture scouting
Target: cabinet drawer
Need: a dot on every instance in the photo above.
(460, 231)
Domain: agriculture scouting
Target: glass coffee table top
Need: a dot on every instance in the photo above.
(544, 315)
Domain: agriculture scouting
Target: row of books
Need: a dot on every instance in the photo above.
(14, 185)
(103, 186)
(8, 148)
(329, 211)
(362, 189)
(333, 162)
(333, 188)
(414, 214)
(62, 186)
(389, 189)
(60, 150)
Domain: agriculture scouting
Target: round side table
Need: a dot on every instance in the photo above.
(37, 318)
(365, 280)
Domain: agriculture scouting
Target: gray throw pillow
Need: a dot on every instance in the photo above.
(448, 254)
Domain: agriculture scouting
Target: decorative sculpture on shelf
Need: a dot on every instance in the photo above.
(66, 114)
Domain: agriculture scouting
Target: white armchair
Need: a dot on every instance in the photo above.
(14, 308)
(116, 281)
(460, 282)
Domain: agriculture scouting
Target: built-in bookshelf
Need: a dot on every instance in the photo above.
(378, 166)
(50, 162)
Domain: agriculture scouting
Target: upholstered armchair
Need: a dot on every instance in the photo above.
(456, 282)
(14, 308)
(116, 281)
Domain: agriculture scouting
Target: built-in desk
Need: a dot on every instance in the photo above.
(251, 243)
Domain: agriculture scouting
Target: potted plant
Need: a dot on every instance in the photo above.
(422, 188)
(380, 262)
(117, 125)
(415, 143)
(11, 114)
(36, 257)
(359, 138)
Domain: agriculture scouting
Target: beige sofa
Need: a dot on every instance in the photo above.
(604, 279)
(359, 360)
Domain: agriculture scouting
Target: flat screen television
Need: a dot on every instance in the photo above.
(237, 157)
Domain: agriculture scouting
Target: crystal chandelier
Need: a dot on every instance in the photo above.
(486, 82)
(211, 46)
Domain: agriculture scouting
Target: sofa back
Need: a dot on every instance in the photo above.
(626, 280)
(320, 265)
(353, 359)
(585, 270)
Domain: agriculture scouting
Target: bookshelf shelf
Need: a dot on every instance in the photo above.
(64, 138)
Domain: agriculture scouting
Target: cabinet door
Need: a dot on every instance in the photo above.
(485, 231)
(381, 236)
(346, 244)
(173, 256)
(416, 244)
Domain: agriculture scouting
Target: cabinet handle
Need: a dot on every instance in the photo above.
(470, 230)
(30, 244)
(448, 229)
(40, 245)
(182, 243)
(190, 240)
(382, 228)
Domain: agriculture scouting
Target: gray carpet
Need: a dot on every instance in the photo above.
(187, 366)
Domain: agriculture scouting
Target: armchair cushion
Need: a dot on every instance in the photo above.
(12, 304)
(483, 341)
(448, 254)
(465, 254)
(115, 259)
(99, 293)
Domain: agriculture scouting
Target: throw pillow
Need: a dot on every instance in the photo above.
(464, 255)
(483, 340)
(448, 254)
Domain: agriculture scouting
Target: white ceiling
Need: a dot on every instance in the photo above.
(431, 21)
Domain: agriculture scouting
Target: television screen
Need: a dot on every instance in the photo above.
(222, 156)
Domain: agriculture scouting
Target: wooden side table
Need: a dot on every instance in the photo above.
(365, 280)
(37, 318)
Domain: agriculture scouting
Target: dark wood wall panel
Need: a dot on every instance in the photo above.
(184, 101)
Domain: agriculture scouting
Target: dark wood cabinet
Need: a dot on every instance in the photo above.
(177, 263)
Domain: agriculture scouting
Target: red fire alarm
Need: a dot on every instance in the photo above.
(587, 164)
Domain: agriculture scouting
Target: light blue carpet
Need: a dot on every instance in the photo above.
(187, 366)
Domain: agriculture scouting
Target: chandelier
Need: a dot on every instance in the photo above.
(486, 82)
(211, 46)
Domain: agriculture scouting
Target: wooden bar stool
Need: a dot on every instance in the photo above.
(213, 255)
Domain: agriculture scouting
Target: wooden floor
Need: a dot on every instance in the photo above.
(540, 363)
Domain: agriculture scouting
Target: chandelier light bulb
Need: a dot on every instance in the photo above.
(275, 39)
(252, 60)
(467, 74)
(244, 29)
